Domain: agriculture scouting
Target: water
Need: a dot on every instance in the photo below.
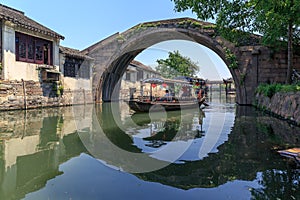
(107, 152)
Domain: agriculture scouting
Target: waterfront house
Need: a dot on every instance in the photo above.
(76, 69)
(35, 70)
(131, 85)
(29, 50)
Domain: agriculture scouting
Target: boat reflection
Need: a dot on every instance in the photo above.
(190, 131)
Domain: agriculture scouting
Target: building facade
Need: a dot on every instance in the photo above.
(76, 69)
(131, 85)
(35, 71)
(29, 50)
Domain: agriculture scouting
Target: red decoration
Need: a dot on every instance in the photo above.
(164, 85)
(153, 85)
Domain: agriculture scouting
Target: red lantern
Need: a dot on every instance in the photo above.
(153, 85)
(164, 85)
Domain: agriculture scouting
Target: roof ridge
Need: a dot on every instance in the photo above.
(13, 9)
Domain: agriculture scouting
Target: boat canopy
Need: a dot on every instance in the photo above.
(167, 81)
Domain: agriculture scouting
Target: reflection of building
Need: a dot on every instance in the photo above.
(33, 146)
(131, 85)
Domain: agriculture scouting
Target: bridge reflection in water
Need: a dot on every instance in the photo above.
(42, 155)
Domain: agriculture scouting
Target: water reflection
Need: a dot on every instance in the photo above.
(194, 132)
(33, 145)
(42, 156)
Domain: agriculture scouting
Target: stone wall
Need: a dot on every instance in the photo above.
(257, 65)
(16, 95)
(285, 105)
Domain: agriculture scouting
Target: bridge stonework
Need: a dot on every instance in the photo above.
(255, 63)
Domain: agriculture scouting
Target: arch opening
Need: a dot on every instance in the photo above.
(115, 54)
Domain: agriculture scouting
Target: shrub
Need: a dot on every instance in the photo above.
(270, 89)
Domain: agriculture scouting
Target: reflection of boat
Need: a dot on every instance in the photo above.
(145, 106)
(293, 153)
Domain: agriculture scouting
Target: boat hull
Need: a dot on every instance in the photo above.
(140, 106)
(293, 153)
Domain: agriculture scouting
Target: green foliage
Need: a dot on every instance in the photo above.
(176, 65)
(269, 90)
(233, 64)
(243, 77)
(120, 37)
(58, 88)
(274, 20)
(235, 17)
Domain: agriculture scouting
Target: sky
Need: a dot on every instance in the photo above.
(84, 23)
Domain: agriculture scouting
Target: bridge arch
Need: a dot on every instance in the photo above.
(113, 54)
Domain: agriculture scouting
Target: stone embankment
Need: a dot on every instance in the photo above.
(17, 95)
(285, 105)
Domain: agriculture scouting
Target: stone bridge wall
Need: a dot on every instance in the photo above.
(256, 65)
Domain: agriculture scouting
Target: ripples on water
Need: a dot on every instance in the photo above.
(224, 152)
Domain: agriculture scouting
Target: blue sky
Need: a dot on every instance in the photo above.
(84, 23)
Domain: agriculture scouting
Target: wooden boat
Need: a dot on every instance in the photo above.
(146, 106)
(293, 153)
(167, 103)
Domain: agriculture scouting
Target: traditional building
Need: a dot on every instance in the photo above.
(76, 69)
(35, 71)
(132, 86)
(29, 50)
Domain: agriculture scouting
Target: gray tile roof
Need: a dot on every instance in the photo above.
(18, 18)
(73, 53)
(142, 66)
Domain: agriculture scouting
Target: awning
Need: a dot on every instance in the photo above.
(52, 71)
(153, 80)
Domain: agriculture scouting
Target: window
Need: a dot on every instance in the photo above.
(39, 52)
(127, 76)
(69, 69)
(75, 67)
(33, 50)
(140, 75)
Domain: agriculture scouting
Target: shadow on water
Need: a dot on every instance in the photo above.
(33, 145)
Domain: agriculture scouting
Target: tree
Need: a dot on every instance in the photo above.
(176, 65)
(275, 20)
(279, 20)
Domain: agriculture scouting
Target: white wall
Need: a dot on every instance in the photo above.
(77, 83)
(16, 70)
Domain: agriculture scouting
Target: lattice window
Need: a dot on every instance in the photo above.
(33, 50)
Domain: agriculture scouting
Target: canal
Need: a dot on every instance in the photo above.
(223, 151)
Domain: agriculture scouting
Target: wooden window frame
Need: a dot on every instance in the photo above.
(27, 39)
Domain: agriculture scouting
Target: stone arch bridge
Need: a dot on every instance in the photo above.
(249, 65)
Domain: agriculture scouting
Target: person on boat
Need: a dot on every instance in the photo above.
(167, 93)
(167, 96)
(200, 95)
